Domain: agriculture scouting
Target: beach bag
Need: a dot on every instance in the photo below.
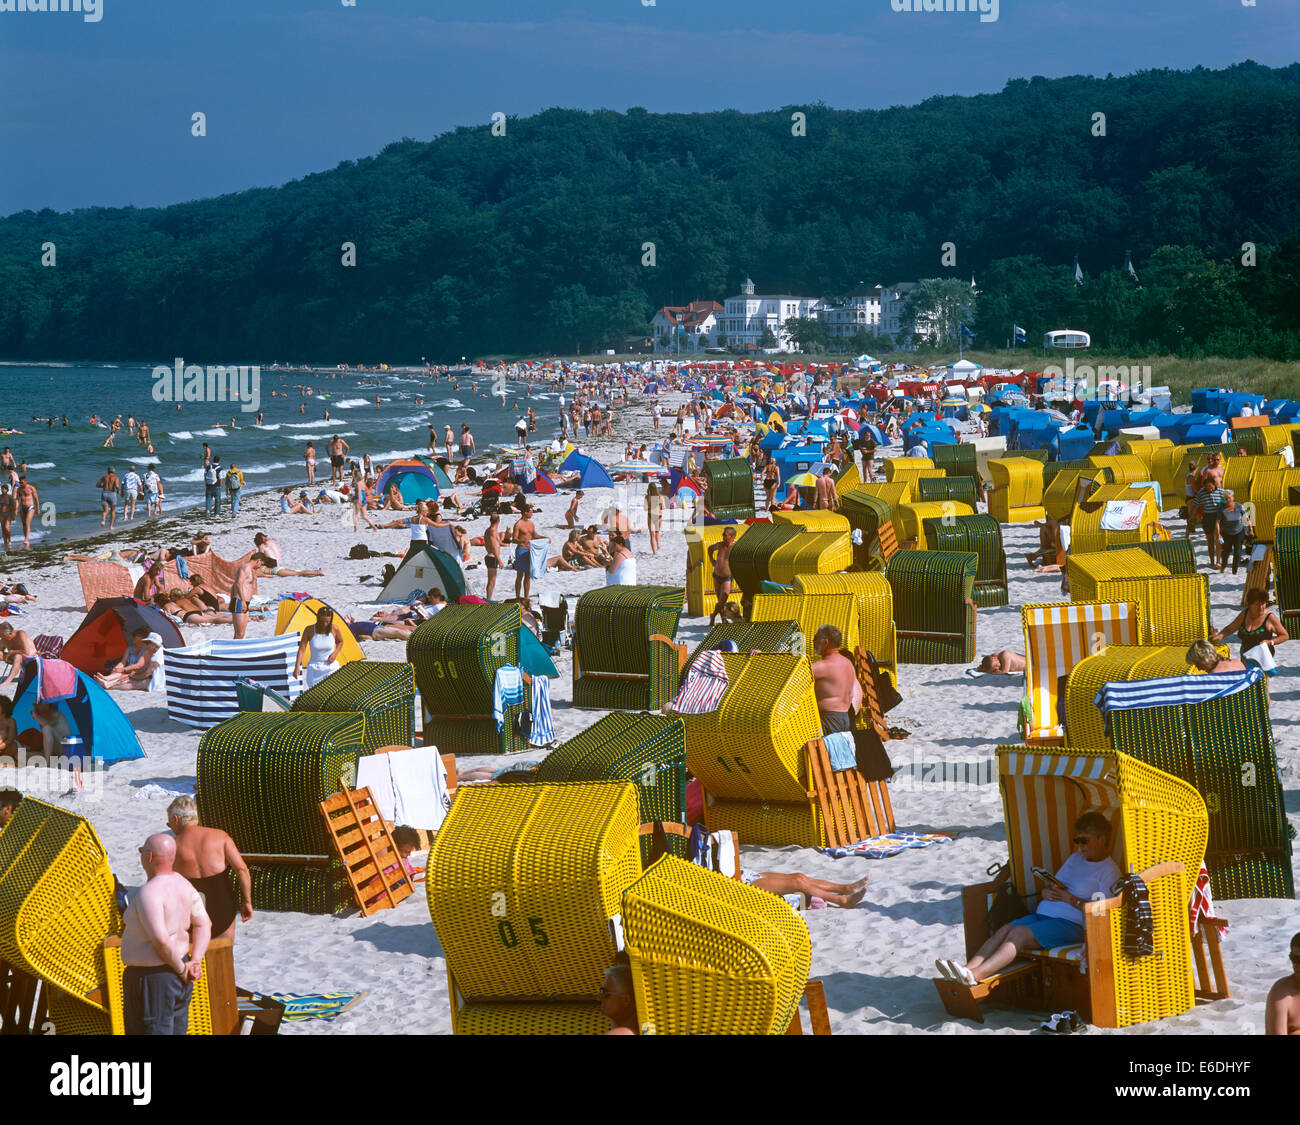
(1007, 905)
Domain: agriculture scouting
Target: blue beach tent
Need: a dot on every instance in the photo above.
(91, 712)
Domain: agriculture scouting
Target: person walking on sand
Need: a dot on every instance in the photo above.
(165, 935)
(243, 587)
(449, 440)
(337, 450)
(827, 499)
(360, 502)
(109, 485)
(27, 500)
(8, 509)
(466, 442)
(654, 515)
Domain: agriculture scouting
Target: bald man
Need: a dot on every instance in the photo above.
(165, 935)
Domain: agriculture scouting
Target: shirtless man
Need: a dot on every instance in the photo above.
(449, 440)
(27, 503)
(1006, 662)
(720, 557)
(616, 522)
(205, 856)
(268, 546)
(16, 646)
(337, 449)
(466, 442)
(165, 934)
(523, 533)
(8, 509)
(1282, 1008)
(242, 589)
(835, 682)
(492, 552)
(827, 499)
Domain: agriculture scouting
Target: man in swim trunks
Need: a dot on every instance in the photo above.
(466, 442)
(242, 589)
(492, 552)
(834, 683)
(28, 502)
(337, 448)
(16, 646)
(205, 856)
(522, 534)
(8, 509)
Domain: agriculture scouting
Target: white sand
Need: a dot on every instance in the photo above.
(876, 960)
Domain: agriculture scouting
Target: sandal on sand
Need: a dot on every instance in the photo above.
(1064, 1023)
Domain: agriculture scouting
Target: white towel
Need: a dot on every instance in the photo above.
(1123, 515)
(373, 774)
(539, 553)
(419, 787)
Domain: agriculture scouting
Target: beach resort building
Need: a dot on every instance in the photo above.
(748, 314)
(685, 328)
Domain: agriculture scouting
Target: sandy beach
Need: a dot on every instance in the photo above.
(876, 960)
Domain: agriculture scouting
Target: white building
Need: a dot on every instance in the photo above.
(688, 328)
(856, 311)
(746, 315)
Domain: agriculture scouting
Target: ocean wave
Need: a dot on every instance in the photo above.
(395, 454)
(264, 468)
(268, 426)
(42, 465)
(349, 403)
(181, 435)
(192, 477)
(216, 431)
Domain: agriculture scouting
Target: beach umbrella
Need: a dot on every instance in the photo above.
(638, 467)
(802, 480)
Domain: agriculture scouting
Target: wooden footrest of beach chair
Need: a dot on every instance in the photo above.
(870, 700)
(262, 1013)
(22, 1002)
(888, 540)
(1207, 937)
(963, 1000)
(819, 1020)
(364, 845)
(852, 808)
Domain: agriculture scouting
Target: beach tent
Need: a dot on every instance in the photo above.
(533, 658)
(591, 472)
(105, 632)
(440, 477)
(294, 617)
(424, 568)
(414, 480)
(201, 677)
(90, 710)
(541, 484)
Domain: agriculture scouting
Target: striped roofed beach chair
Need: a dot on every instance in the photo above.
(1159, 832)
(522, 882)
(811, 611)
(764, 766)
(700, 598)
(1223, 746)
(874, 598)
(104, 579)
(1057, 637)
(981, 535)
(456, 655)
(624, 655)
(382, 691)
(261, 778)
(749, 953)
(649, 750)
(1175, 608)
(1017, 494)
(933, 611)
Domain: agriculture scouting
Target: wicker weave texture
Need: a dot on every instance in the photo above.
(712, 955)
(983, 536)
(700, 598)
(1017, 495)
(751, 556)
(1118, 663)
(729, 488)
(932, 591)
(612, 630)
(813, 521)
(909, 519)
(811, 611)
(382, 691)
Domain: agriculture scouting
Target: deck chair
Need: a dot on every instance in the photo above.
(934, 614)
(624, 656)
(1159, 831)
(1057, 637)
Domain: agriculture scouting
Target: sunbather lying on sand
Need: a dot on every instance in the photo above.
(1006, 662)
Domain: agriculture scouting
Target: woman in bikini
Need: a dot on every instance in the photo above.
(151, 583)
(1255, 626)
(309, 455)
(720, 557)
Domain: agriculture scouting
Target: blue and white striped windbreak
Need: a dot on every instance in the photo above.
(201, 678)
(1172, 691)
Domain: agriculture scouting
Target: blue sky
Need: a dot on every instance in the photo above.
(98, 114)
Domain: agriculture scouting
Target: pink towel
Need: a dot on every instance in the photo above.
(55, 680)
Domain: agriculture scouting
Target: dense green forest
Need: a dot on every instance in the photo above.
(534, 241)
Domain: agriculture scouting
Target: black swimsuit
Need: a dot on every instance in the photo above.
(219, 898)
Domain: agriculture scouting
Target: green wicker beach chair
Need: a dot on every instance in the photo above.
(648, 750)
(957, 461)
(383, 692)
(933, 610)
(456, 654)
(752, 554)
(983, 536)
(866, 513)
(616, 664)
(1223, 747)
(261, 778)
(963, 490)
(1286, 555)
(729, 488)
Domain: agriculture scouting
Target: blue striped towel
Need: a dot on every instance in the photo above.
(1172, 691)
(543, 732)
(891, 843)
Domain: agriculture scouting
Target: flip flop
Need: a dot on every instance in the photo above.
(944, 971)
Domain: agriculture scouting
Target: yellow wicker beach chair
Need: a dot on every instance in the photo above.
(522, 882)
(699, 574)
(1088, 569)
(1083, 722)
(1057, 637)
(1127, 468)
(848, 480)
(909, 519)
(1168, 471)
(875, 603)
(812, 552)
(1175, 607)
(711, 955)
(1145, 449)
(214, 1007)
(1269, 493)
(811, 611)
(892, 494)
(1239, 473)
(1017, 495)
(1160, 829)
(821, 521)
(904, 470)
(1067, 488)
(1086, 532)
